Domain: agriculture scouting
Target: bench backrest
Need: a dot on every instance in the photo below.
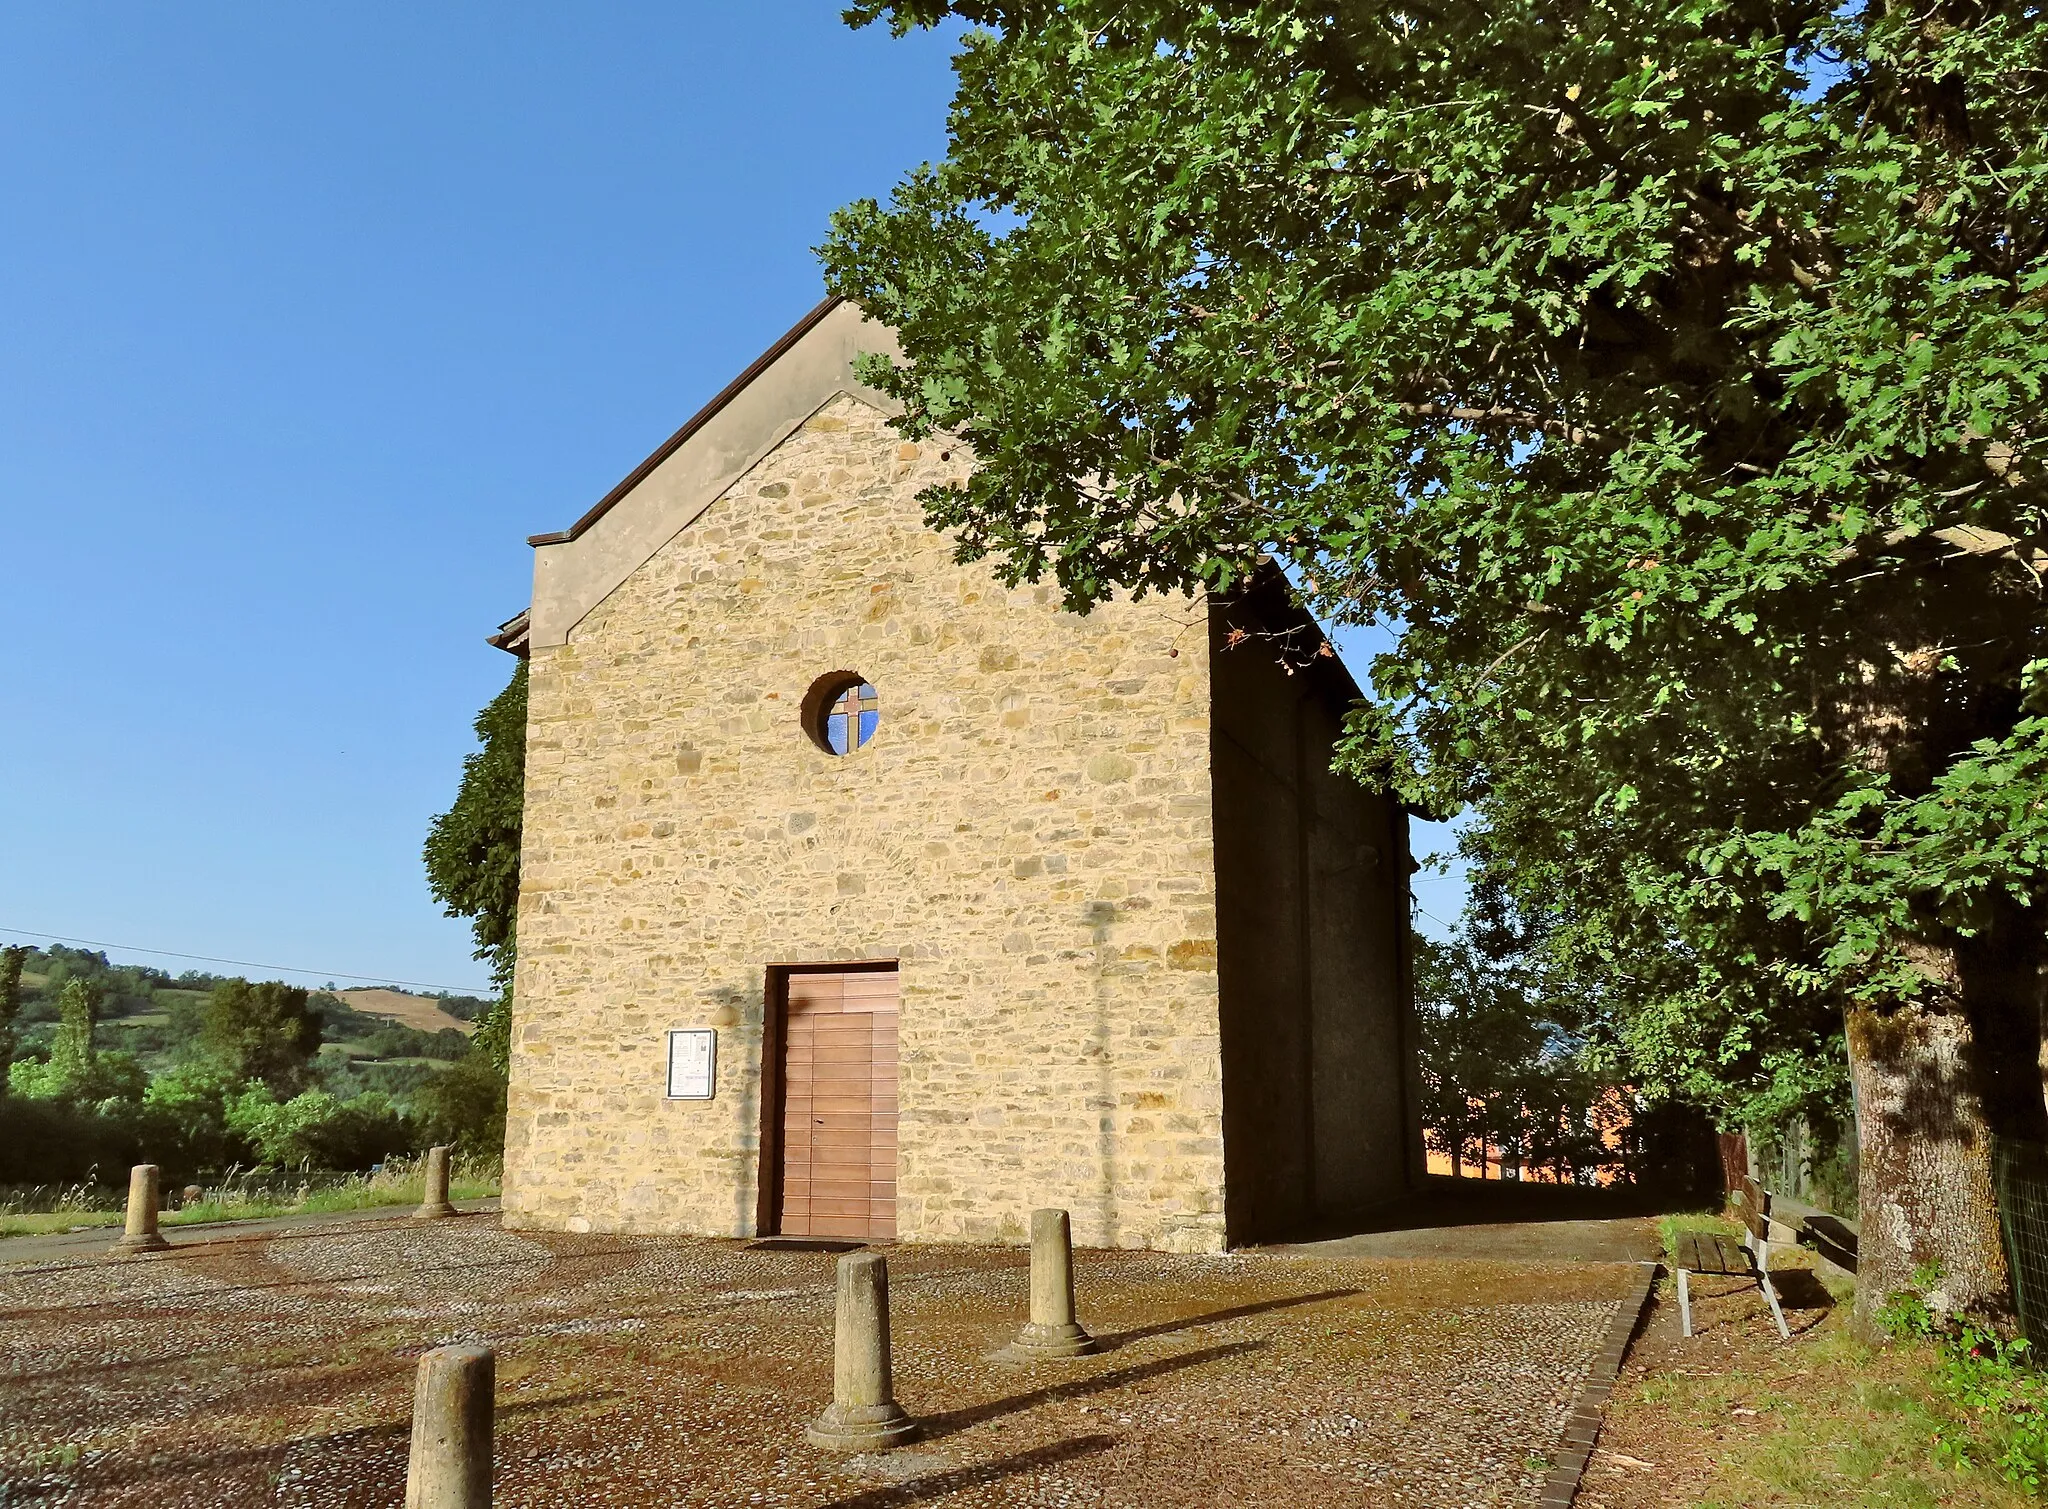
(1752, 1206)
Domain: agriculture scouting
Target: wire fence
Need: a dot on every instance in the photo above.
(2019, 1174)
(1813, 1162)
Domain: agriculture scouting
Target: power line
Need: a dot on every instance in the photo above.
(1432, 916)
(283, 969)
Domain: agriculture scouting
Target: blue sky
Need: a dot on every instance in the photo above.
(308, 316)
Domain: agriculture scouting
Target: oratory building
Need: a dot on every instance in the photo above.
(864, 896)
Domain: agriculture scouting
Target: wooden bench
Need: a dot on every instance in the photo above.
(1708, 1252)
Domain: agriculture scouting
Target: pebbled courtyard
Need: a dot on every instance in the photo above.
(277, 1369)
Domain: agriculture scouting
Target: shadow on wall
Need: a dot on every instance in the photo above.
(745, 1012)
(1100, 915)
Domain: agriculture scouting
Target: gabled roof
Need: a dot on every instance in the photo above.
(1306, 646)
(575, 569)
(697, 422)
(511, 635)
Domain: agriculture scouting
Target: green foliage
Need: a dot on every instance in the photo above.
(186, 1112)
(76, 1071)
(1481, 1054)
(106, 1077)
(49, 1140)
(1988, 1375)
(313, 1129)
(1510, 1060)
(230, 1082)
(72, 1051)
(1670, 378)
(381, 1037)
(464, 1008)
(493, 1037)
(264, 1032)
(464, 1107)
(472, 850)
(11, 959)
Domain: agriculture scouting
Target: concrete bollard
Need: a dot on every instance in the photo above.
(453, 1411)
(435, 1203)
(141, 1234)
(191, 1195)
(864, 1414)
(1052, 1331)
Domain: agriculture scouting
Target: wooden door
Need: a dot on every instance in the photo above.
(839, 1106)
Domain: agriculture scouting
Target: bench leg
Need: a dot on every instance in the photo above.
(1684, 1302)
(1777, 1313)
(1760, 1252)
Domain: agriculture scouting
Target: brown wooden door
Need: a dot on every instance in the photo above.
(839, 1106)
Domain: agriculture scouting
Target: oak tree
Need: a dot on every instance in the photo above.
(267, 1032)
(1667, 376)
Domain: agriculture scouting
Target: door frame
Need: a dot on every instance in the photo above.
(774, 1064)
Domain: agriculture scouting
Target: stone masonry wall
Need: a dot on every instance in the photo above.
(1029, 833)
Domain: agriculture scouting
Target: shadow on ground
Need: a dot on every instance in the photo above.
(280, 1370)
(1110, 1343)
(1504, 1221)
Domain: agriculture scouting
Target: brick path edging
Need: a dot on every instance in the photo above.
(1582, 1428)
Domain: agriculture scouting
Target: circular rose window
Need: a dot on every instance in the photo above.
(841, 712)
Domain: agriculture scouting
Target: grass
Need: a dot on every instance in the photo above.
(38, 1223)
(1834, 1423)
(400, 1182)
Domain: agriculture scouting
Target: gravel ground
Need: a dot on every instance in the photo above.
(658, 1371)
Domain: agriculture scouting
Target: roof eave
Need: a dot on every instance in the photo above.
(696, 422)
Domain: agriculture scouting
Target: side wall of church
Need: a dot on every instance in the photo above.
(1312, 893)
(1029, 834)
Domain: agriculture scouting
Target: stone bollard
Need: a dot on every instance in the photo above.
(864, 1414)
(435, 1203)
(453, 1404)
(191, 1195)
(1052, 1331)
(141, 1234)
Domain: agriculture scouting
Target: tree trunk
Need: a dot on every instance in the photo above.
(1924, 1150)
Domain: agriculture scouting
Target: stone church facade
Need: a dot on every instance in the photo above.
(952, 903)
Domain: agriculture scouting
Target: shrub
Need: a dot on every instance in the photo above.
(1986, 1373)
(314, 1129)
(81, 1081)
(464, 1107)
(184, 1119)
(56, 1141)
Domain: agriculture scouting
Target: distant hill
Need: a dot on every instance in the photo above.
(424, 1013)
(146, 1012)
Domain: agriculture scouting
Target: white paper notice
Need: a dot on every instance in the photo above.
(692, 1064)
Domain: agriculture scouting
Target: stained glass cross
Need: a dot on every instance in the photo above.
(855, 711)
